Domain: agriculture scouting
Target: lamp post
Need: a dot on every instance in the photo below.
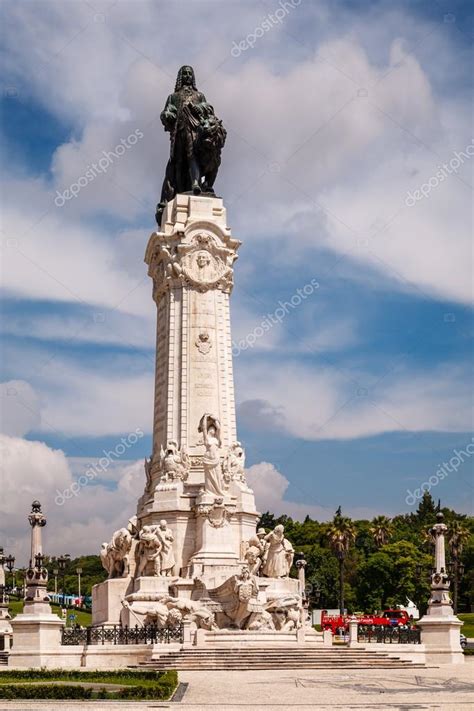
(2, 576)
(79, 571)
(63, 561)
(456, 572)
(55, 573)
(10, 561)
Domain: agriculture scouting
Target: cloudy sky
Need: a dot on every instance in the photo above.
(347, 167)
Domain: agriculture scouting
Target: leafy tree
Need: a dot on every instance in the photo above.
(426, 511)
(458, 535)
(381, 530)
(341, 534)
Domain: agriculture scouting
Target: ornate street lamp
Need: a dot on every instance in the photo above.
(55, 573)
(63, 561)
(10, 563)
(79, 571)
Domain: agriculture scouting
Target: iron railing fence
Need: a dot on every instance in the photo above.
(388, 635)
(122, 635)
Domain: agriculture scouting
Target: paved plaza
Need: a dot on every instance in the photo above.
(448, 688)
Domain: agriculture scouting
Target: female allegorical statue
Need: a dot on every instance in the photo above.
(210, 428)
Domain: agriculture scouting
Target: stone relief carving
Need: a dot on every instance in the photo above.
(203, 342)
(174, 462)
(114, 555)
(246, 591)
(234, 464)
(278, 555)
(217, 514)
(203, 263)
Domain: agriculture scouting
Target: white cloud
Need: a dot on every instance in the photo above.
(19, 408)
(323, 403)
(354, 154)
(32, 470)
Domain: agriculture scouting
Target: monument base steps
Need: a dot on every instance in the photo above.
(290, 657)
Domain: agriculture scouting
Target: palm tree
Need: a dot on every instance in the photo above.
(457, 537)
(341, 534)
(381, 530)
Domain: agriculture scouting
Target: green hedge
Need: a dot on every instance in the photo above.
(43, 691)
(138, 685)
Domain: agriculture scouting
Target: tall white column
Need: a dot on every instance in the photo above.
(440, 627)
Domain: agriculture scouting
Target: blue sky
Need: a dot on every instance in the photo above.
(336, 115)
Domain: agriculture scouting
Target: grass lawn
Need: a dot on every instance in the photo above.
(82, 618)
(468, 626)
(58, 684)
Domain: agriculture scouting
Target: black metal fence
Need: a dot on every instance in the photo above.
(122, 635)
(388, 635)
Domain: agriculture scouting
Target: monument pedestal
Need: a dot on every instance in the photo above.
(197, 515)
(5, 628)
(440, 635)
(36, 639)
(107, 600)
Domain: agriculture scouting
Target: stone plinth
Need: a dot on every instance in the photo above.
(5, 628)
(36, 638)
(107, 600)
(440, 634)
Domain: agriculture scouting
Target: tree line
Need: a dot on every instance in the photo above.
(366, 566)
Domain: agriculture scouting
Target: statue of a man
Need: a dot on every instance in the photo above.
(197, 137)
(166, 537)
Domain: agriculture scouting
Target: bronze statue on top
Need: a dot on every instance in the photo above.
(197, 137)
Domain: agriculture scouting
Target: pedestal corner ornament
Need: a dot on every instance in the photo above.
(192, 547)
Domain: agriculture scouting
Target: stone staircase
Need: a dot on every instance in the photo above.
(3, 659)
(292, 657)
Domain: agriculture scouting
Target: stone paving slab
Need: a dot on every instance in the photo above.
(449, 688)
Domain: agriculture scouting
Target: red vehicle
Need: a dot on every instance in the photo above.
(388, 618)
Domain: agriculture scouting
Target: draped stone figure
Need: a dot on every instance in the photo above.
(149, 549)
(197, 137)
(279, 554)
(167, 559)
(210, 428)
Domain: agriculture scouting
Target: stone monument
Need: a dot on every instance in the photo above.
(36, 631)
(192, 550)
(5, 626)
(440, 626)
